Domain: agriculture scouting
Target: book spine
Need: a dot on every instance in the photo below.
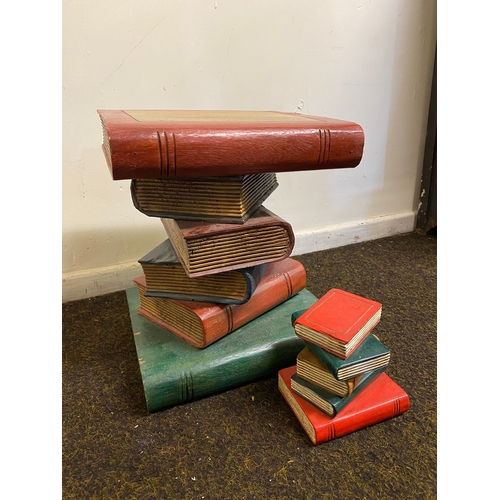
(341, 426)
(223, 373)
(162, 154)
(288, 279)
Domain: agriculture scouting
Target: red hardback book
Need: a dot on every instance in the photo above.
(202, 323)
(205, 248)
(158, 144)
(338, 322)
(380, 400)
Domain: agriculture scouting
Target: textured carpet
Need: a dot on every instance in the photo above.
(245, 443)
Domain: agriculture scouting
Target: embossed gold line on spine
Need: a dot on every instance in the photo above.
(396, 407)
(324, 147)
(171, 154)
(288, 282)
(162, 153)
(229, 314)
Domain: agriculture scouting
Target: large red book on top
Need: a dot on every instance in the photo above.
(381, 400)
(160, 144)
(338, 322)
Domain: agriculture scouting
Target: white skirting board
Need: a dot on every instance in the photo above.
(340, 235)
(99, 281)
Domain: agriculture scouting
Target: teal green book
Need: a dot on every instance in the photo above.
(174, 371)
(369, 355)
(326, 401)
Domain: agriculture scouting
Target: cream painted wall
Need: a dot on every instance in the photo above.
(364, 61)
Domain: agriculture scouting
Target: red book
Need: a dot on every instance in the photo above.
(381, 400)
(338, 322)
(202, 323)
(205, 248)
(161, 144)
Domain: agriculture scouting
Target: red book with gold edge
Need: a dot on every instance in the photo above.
(381, 400)
(158, 144)
(202, 323)
(338, 322)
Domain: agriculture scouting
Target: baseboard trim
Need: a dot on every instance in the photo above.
(99, 281)
(339, 235)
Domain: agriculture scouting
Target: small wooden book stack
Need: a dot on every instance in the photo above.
(338, 384)
(224, 267)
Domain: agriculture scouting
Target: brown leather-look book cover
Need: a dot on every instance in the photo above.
(206, 248)
(158, 144)
(202, 323)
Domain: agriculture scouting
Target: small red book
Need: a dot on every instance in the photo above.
(202, 323)
(380, 400)
(338, 322)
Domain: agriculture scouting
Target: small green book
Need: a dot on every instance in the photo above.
(369, 355)
(173, 371)
(326, 401)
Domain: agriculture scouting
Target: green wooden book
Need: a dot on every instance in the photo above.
(326, 401)
(371, 354)
(173, 371)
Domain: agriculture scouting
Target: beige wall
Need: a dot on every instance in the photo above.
(365, 61)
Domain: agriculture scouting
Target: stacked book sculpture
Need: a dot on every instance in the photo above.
(212, 308)
(338, 384)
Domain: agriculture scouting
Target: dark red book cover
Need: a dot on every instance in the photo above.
(160, 144)
(205, 248)
(380, 400)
